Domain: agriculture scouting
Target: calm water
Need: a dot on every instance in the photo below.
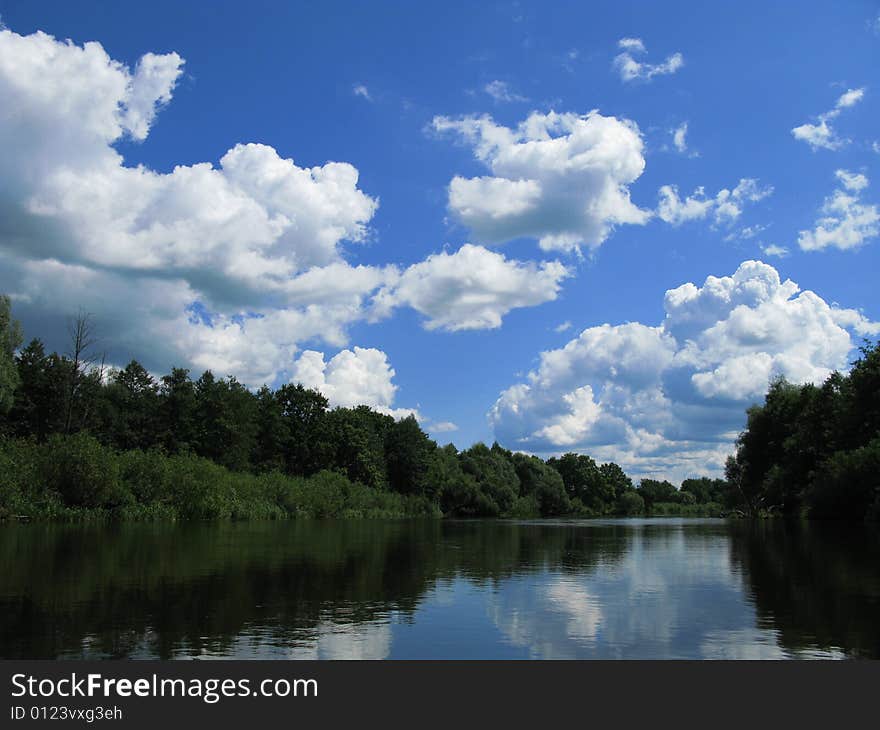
(489, 590)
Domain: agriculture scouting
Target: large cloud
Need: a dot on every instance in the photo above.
(229, 266)
(560, 178)
(668, 399)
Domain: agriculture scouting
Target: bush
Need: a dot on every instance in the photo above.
(83, 472)
(848, 485)
(147, 475)
(630, 503)
(525, 508)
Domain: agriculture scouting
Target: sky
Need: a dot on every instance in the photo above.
(600, 228)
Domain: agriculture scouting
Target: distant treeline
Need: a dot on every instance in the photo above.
(79, 439)
(814, 449)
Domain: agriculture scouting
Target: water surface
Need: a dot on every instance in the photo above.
(664, 588)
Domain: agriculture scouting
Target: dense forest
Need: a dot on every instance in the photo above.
(78, 439)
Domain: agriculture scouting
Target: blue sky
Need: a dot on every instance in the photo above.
(115, 199)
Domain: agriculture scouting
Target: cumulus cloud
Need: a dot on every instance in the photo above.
(351, 378)
(821, 135)
(724, 208)
(500, 91)
(630, 69)
(668, 400)
(227, 266)
(472, 288)
(846, 222)
(560, 178)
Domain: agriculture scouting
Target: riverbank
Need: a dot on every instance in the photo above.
(76, 479)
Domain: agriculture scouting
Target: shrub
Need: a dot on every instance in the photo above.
(630, 503)
(83, 472)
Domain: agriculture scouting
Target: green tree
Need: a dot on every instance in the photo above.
(134, 396)
(585, 481)
(10, 339)
(177, 412)
(304, 438)
(39, 406)
(494, 475)
(617, 478)
(408, 451)
(543, 483)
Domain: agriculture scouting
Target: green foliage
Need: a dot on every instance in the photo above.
(630, 503)
(83, 472)
(211, 448)
(408, 451)
(493, 477)
(10, 339)
(813, 449)
(848, 484)
(584, 481)
(543, 483)
(652, 491)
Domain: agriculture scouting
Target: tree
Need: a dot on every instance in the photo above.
(177, 412)
(10, 339)
(359, 436)
(584, 481)
(38, 409)
(226, 421)
(303, 413)
(134, 396)
(82, 357)
(542, 482)
(616, 478)
(494, 474)
(407, 451)
(653, 491)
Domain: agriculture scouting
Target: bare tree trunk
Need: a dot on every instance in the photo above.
(82, 340)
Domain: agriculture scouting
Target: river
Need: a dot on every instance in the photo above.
(549, 589)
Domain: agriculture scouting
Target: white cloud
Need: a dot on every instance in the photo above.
(724, 208)
(442, 427)
(679, 135)
(633, 45)
(630, 69)
(668, 400)
(472, 288)
(360, 376)
(562, 327)
(560, 178)
(747, 232)
(846, 222)
(361, 91)
(822, 134)
(228, 266)
(500, 91)
(774, 250)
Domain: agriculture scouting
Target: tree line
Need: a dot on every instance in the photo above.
(76, 435)
(814, 449)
